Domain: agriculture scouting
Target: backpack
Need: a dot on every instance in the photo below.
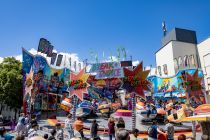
(151, 131)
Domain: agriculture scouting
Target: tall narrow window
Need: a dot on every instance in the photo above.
(186, 61)
(159, 70)
(192, 60)
(180, 62)
(165, 70)
(176, 66)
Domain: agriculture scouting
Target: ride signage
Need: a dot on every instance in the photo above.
(107, 70)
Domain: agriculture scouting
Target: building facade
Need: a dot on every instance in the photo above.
(204, 55)
(178, 52)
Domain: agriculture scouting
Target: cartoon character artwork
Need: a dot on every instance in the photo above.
(40, 79)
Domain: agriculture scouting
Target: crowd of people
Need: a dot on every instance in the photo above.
(28, 129)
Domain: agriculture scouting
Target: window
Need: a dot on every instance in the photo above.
(165, 70)
(192, 60)
(180, 61)
(176, 64)
(186, 61)
(159, 70)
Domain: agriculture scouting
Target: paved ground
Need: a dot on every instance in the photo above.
(45, 127)
(103, 124)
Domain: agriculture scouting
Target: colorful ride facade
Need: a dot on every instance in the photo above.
(187, 84)
(42, 84)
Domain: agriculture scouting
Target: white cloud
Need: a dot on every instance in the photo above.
(69, 60)
(1, 59)
(33, 51)
(65, 61)
(18, 57)
(111, 59)
(135, 63)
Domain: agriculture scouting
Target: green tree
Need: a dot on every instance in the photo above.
(11, 83)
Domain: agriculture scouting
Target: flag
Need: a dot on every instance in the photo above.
(28, 60)
(124, 53)
(53, 58)
(45, 46)
(111, 57)
(59, 60)
(50, 50)
(75, 65)
(70, 62)
(41, 46)
(96, 57)
(118, 56)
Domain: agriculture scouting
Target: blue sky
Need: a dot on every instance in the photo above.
(79, 26)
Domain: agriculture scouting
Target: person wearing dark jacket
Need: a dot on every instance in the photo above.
(94, 129)
(53, 133)
(120, 123)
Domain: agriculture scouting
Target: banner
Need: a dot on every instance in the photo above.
(27, 61)
(59, 60)
(53, 58)
(45, 47)
(126, 63)
(107, 70)
(176, 86)
(50, 51)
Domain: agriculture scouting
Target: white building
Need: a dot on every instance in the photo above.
(204, 54)
(178, 51)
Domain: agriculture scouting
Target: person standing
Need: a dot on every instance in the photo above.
(53, 133)
(162, 136)
(94, 129)
(33, 131)
(20, 127)
(169, 128)
(153, 131)
(120, 123)
(59, 132)
(78, 126)
(68, 126)
(111, 126)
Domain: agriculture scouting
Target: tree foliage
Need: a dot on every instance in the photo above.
(11, 83)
